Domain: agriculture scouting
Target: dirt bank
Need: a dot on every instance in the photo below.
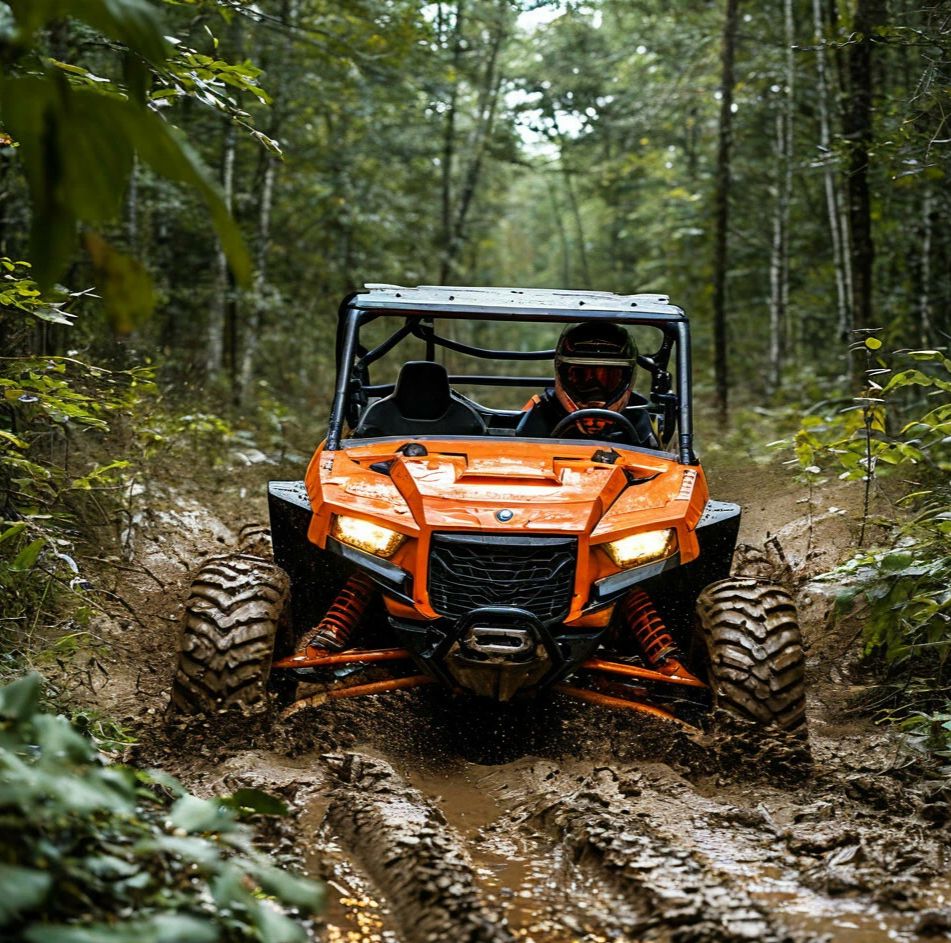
(554, 821)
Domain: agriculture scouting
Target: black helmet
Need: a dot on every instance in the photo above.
(594, 366)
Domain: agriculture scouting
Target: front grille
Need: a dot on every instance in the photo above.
(468, 571)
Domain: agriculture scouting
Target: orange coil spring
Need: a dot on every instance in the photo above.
(643, 620)
(342, 617)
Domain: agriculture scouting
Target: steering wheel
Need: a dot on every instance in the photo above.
(606, 414)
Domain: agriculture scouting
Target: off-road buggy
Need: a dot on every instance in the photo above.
(430, 541)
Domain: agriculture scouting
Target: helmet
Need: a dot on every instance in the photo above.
(594, 369)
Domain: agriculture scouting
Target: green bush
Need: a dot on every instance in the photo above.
(53, 487)
(903, 586)
(97, 853)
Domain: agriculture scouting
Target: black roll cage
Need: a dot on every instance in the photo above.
(353, 388)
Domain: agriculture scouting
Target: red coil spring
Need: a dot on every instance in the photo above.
(643, 620)
(338, 624)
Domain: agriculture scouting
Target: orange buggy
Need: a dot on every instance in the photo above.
(431, 541)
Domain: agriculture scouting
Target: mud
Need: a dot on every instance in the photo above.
(432, 818)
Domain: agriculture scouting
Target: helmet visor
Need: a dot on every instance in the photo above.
(595, 383)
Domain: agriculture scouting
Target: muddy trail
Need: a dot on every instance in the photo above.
(435, 819)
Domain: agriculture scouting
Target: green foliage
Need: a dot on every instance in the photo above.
(18, 292)
(76, 135)
(46, 481)
(854, 442)
(96, 853)
(904, 586)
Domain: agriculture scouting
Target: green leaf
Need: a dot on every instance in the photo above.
(26, 558)
(126, 288)
(159, 777)
(21, 889)
(162, 928)
(254, 800)
(133, 22)
(166, 151)
(20, 699)
(13, 440)
(179, 928)
(201, 815)
(896, 560)
(306, 895)
(13, 531)
(276, 927)
(189, 848)
(76, 149)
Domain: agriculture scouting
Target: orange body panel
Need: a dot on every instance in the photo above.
(553, 488)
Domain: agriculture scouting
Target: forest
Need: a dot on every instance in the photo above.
(189, 188)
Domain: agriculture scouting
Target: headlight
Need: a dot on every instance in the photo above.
(642, 548)
(365, 535)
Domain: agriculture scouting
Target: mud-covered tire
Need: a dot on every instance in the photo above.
(255, 539)
(228, 635)
(756, 662)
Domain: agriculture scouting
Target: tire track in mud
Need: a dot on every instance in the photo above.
(605, 822)
(407, 848)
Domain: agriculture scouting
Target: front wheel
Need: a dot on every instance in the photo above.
(229, 633)
(756, 661)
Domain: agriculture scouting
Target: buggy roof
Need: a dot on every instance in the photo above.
(517, 304)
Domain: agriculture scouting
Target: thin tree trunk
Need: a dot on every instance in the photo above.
(858, 131)
(777, 311)
(925, 327)
(219, 315)
(488, 103)
(449, 143)
(722, 213)
(579, 227)
(258, 314)
(258, 317)
(573, 203)
(779, 263)
(840, 258)
(132, 210)
(562, 234)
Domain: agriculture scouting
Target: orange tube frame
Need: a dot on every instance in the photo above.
(319, 658)
(633, 671)
(606, 700)
(356, 690)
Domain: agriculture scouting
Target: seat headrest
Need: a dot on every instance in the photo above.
(422, 390)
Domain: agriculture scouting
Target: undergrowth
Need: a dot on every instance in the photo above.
(98, 853)
(899, 426)
(77, 441)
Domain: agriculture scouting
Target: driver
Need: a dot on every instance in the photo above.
(595, 364)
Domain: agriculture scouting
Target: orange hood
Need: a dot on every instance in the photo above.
(463, 485)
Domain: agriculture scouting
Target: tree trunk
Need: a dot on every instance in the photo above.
(258, 317)
(132, 210)
(566, 174)
(840, 258)
(779, 261)
(263, 244)
(925, 327)
(722, 213)
(219, 315)
(562, 233)
(449, 143)
(485, 124)
(858, 132)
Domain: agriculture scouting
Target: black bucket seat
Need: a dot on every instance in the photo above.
(421, 404)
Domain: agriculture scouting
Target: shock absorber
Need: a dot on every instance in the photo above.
(656, 643)
(337, 626)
